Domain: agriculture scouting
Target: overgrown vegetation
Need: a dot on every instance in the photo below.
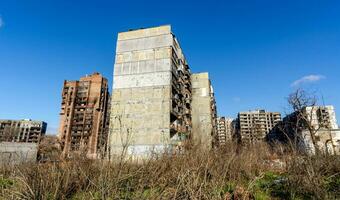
(248, 173)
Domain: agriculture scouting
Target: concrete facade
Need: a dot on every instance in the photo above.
(150, 107)
(15, 153)
(321, 116)
(328, 141)
(323, 119)
(225, 128)
(26, 130)
(204, 114)
(83, 116)
(253, 126)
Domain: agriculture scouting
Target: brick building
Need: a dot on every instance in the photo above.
(83, 116)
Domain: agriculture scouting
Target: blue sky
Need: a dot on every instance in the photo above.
(256, 52)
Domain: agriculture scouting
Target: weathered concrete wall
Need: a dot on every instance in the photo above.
(202, 127)
(140, 116)
(326, 118)
(14, 153)
(328, 141)
(141, 99)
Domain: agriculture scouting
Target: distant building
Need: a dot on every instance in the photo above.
(253, 126)
(225, 128)
(29, 131)
(298, 126)
(204, 113)
(83, 116)
(151, 100)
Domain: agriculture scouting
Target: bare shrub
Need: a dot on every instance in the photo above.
(224, 173)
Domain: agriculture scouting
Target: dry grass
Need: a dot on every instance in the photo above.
(250, 173)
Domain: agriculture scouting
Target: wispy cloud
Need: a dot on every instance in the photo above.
(1, 22)
(308, 79)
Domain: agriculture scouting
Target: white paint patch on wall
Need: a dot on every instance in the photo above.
(204, 92)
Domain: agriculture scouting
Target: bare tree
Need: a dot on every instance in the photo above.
(49, 149)
(303, 105)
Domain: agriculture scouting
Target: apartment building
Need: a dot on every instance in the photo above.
(204, 113)
(83, 116)
(321, 116)
(253, 126)
(299, 126)
(26, 130)
(151, 100)
(225, 128)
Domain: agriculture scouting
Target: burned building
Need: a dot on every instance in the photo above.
(26, 130)
(204, 113)
(83, 116)
(151, 100)
(253, 126)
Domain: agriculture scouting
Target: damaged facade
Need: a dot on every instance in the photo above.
(151, 100)
(253, 126)
(26, 130)
(225, 129)
(298, 127)
(83, 116)
(204, 113)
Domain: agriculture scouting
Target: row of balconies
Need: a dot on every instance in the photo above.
(181, 95)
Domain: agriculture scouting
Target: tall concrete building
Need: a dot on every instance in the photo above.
(225, 128)
(29, 131)
(255, 125)
(204, 113)
(83, 116)
(151, 100)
